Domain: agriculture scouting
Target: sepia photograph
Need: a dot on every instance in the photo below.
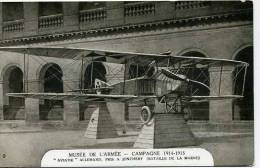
(152, 77)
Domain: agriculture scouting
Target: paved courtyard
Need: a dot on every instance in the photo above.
(27, 148)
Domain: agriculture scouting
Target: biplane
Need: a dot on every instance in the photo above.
(169, 82)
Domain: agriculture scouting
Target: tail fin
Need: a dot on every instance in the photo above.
(100, 84)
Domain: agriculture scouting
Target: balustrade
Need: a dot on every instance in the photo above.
(92, 15)
(190, 4)
(139, 8)
(12, 26)
(50, 21)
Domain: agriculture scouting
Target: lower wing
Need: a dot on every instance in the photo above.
(82, 97)
(199, 99)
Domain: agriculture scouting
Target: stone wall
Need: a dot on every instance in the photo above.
(112, 14)
(214, 40)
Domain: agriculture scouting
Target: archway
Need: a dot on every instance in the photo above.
(95, 70)
(51, 81)
(198, 111)
(243, 109)
(13, 83)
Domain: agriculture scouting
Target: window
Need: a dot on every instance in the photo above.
(91, 5)
(50, 8)
(12, 11)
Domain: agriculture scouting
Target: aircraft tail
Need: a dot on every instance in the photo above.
(101, 84)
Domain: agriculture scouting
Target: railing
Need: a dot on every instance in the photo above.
(139, 8)
(12, 26)
(92, 15)
(190, 4)
(50, 21)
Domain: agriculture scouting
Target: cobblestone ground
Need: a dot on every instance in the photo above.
(26, 149)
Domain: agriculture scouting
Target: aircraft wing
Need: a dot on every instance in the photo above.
(81, 97)
(198, 99)
(177, 64)
(118, 56)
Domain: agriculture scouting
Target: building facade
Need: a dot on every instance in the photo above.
(212, 29)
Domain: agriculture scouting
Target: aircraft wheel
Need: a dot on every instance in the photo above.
(146, 115)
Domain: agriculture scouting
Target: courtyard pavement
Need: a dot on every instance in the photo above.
(27, 148)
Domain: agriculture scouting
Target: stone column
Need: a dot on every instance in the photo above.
(165, 10)
(32, 105)
(71, 108)
(32, 109)
(71, 16)
(30, 18)
(221, 83)
(115, 12)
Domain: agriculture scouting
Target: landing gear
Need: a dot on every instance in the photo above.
(146, 115)
(163, 105)
(172, 104)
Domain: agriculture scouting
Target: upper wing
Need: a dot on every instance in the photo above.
(117, 56)
(81, 97)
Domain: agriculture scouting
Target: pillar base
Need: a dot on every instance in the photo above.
(100, 124)
(1, 112)
(220, 111)
(166, 131)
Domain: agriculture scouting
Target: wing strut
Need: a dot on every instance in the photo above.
(124, 77)
(25, 71)
(92, 67)
(220, 78)
(243, 89)
(24, 78)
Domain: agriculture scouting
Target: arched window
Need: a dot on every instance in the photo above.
(13, 83)
(51, 82)
(243, 109)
